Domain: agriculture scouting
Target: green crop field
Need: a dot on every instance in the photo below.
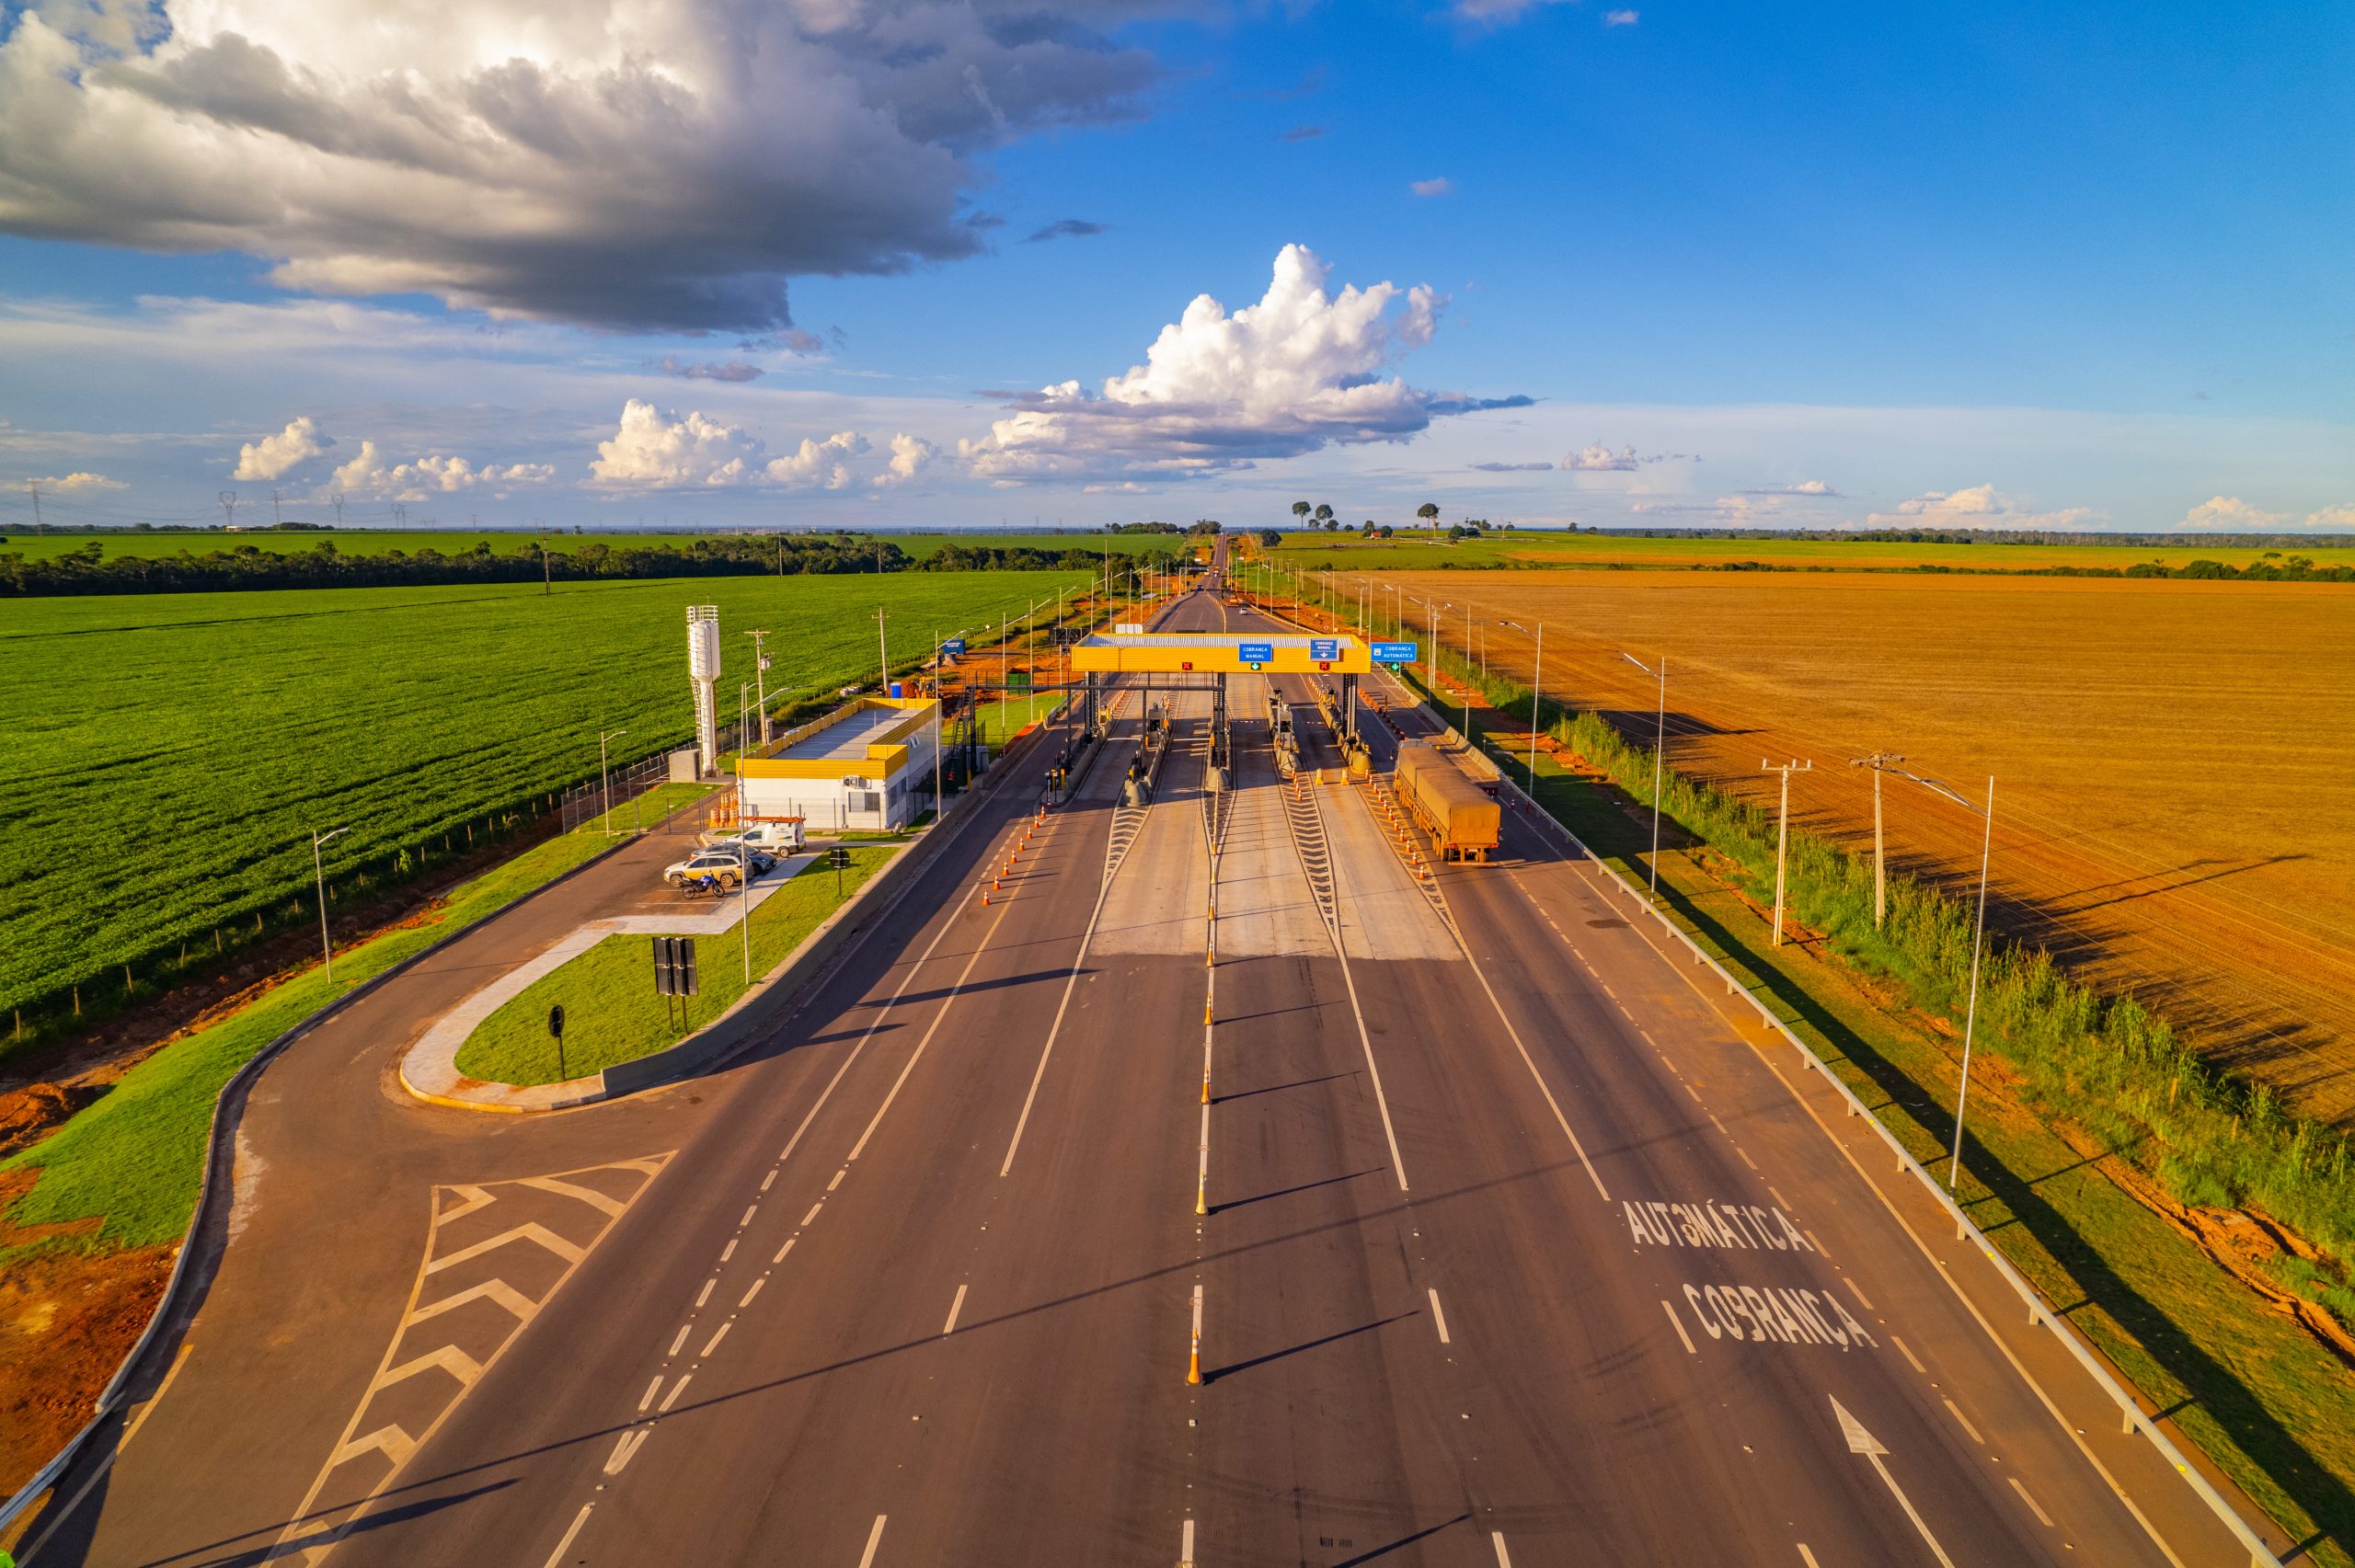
(459, 542)
(172, 752)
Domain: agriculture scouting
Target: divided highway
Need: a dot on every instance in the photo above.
(1513, 1252)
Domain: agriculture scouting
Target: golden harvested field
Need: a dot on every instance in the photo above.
(2174, 762)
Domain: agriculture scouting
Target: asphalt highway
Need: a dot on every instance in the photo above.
(1505, 1244)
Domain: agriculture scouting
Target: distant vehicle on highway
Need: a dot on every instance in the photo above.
(722, 865)
(777, 838)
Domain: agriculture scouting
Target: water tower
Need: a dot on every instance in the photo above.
(702, 669)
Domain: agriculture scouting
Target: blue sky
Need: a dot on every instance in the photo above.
(2000, 265)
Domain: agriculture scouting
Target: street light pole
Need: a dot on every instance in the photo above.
(1536, 684)
(761, 683)
(605, 776)
(1978, 947)
(1782, 832)
(318, 874)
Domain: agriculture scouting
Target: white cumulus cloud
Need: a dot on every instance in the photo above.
(820, 463)
(910, 455)
(630, 164)
(655, 449)
(273, 456)
(2227, 513)
(1219, 390)
(2336, 519)
(1600, 459)
(1981, 506)
(69, 483)
(369, 475)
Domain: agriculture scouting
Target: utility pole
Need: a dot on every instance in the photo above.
(883, 648)
(1783, 832)
(318, 872)
(336, 501)
(277, 516)
(33, 487)
(1978, 946)
(760, 678)
(1878, 762)
(228, 509)
(1660, 749)
(548, 577)
(1536, 684)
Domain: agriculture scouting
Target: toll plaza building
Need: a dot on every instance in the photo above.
(867, 765)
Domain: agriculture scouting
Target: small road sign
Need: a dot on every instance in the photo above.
(952, 645)
(556, 1021)
(1324, 649)
(1395, 653)
(1255, 653)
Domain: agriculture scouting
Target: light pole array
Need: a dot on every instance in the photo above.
(319, 875)
(1659, 748)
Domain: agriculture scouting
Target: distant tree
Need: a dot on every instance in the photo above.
(1324, 512)
(1429, 512)
(1271, 538)
(1367, 529)
(1300, 511)
(1331, 524)
(1385, 531)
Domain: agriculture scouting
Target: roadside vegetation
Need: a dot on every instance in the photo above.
(207, 736)
(613, 1015)
(2196, 1232)
(124, 1171)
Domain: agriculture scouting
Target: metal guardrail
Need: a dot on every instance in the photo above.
(2040, 1313)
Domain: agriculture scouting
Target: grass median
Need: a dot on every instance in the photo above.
(611, 1013)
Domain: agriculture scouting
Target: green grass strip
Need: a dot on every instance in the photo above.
(134, 1158)
(611, 1013)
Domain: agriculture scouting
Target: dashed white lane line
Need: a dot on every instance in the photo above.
(1807, 1557)
(1956, 1411)
(685, 1330)
(1860, 1295)
(1439, 1319)
(1678, 1323)
(770, 1180)
(1746, 1160)
(713, 1344)
(676, 1389)
(1185, 1545)
(874, 1540)
(1911, 1356)
(954, 1308)
(1504, 1558)
(565, 1545)
(2041, 1517)
(748, 1217)
(704, 1295)
(1780, 1201)
(785, 1249)
(752, 1292)
(838, 1179)
(728, 1250)
(812, 1214)
(651, 1390)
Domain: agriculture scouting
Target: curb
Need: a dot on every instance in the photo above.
(219, 1155)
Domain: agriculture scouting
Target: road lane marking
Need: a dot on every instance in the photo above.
(565, 1545)
(1673, 1318)
(770, 1180)
(750, 1212)
(874, 1540)
(625, 1449)
(651, 1390)
(1185, 1545)
(1504, 1558)
(839, 1176)
(681, 1338)
(1440, 1319)
(1807, 1557)
(1863, 1442)
(783, 1250)
(924, 1045)
(1746, 1160)
(2041, 1517)
(1910, 1356)
(1071, 982)
(704, 1295)
(1530, 1062)
(1860, 1295)
(954, 1308)
(713, 1344)
(676, 1389)
(1956, 1411)
(752, 1292)
(812, 1214)
(1779, 1313)
(1778, 1196)
(728, 1250)
(106, 1464)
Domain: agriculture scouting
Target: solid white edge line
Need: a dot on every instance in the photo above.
(1348, 981)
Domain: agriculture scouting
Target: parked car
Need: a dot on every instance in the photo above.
(777, 838)
(722, 865)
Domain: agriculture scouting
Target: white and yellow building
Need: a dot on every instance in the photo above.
(867, 765)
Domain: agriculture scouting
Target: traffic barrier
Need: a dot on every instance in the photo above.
(1194, 1354)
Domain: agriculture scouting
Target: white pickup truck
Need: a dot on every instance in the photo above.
(777, 838)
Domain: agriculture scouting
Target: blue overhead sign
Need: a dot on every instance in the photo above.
(952, 645)
(1393, 653)
(1324, 650)
(1255, 653)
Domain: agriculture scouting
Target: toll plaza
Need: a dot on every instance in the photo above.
(1185, 655)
